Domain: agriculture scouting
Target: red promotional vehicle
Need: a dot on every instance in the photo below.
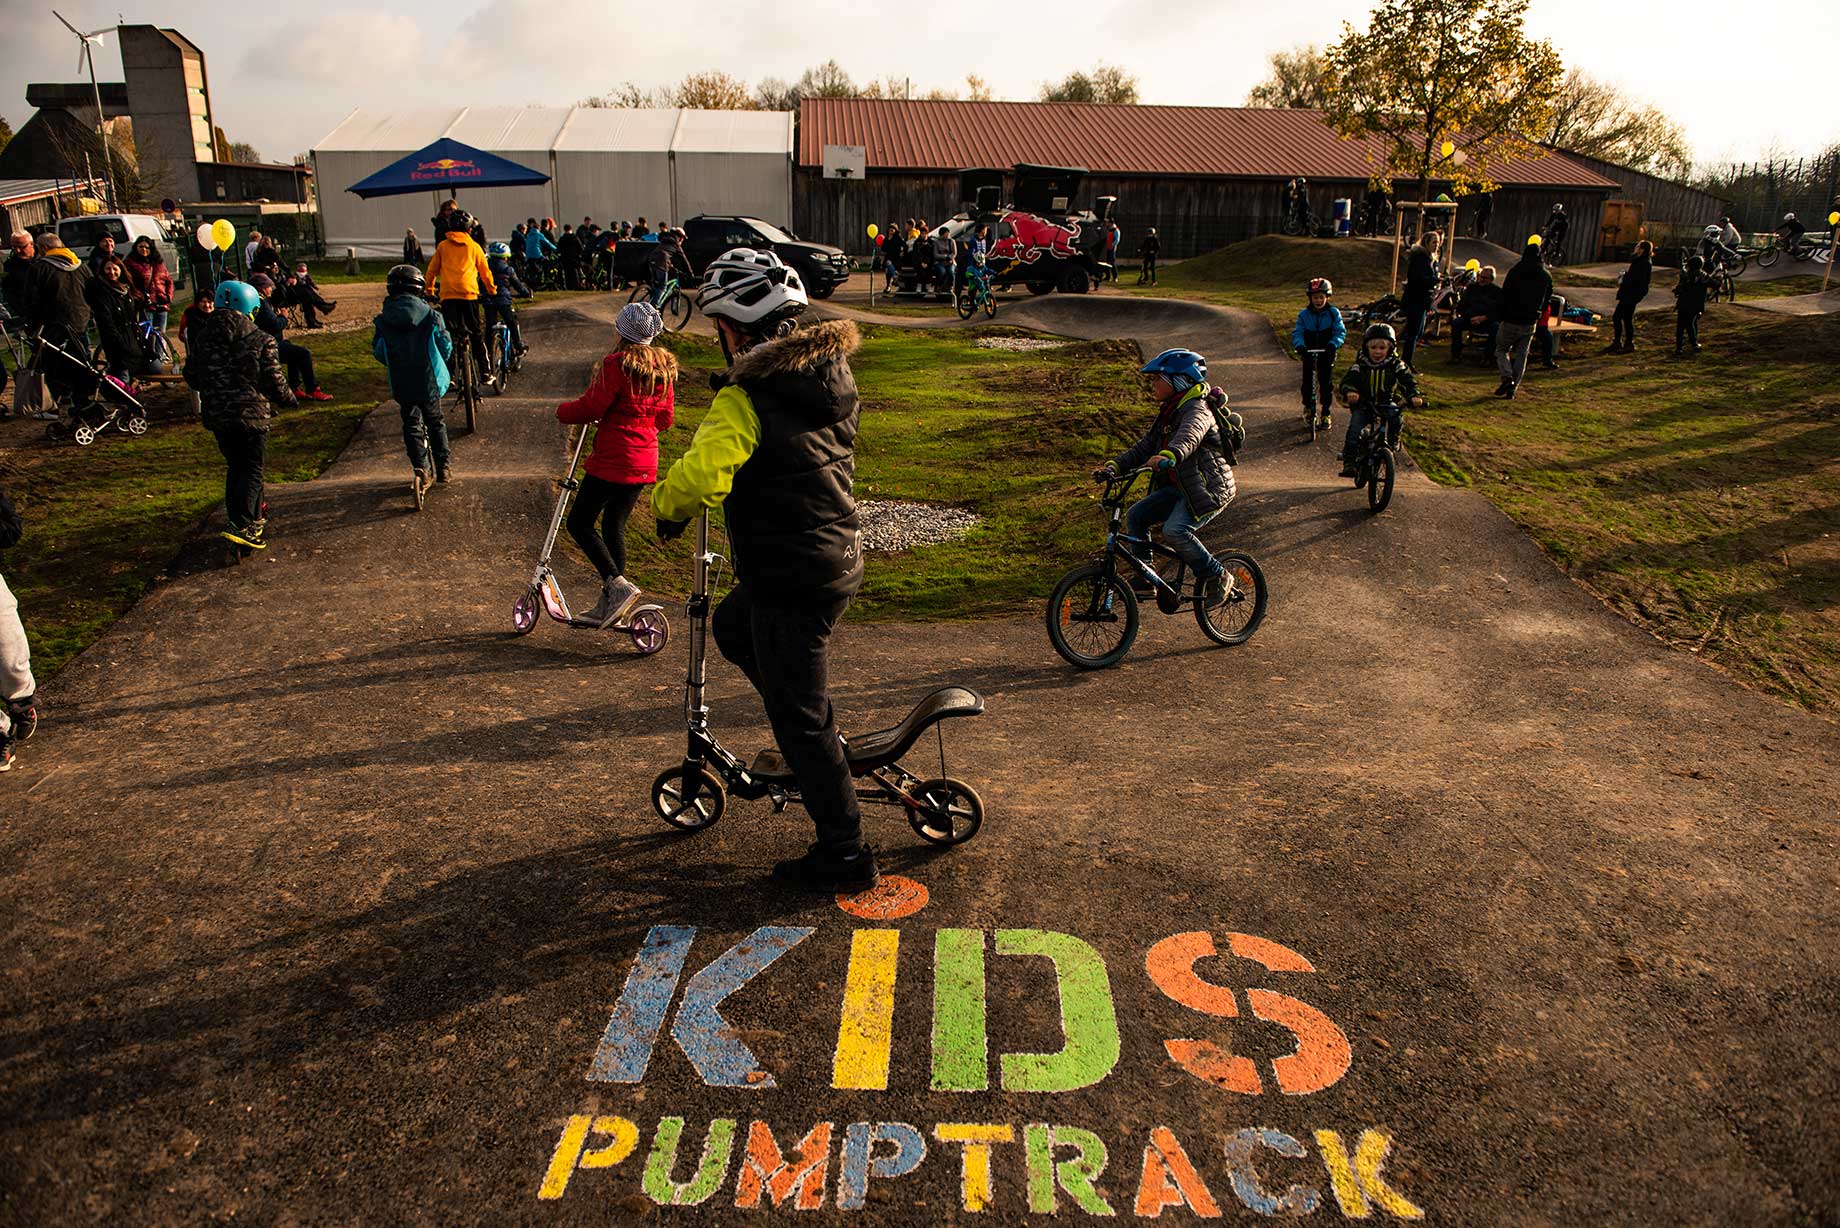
(1040, 241)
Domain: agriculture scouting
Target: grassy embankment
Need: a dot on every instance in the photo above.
(1008, 436)
(103, 522)
(1700, 498)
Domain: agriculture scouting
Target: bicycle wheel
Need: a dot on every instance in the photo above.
(469, 390)
(1380, 482)
(677, 312)
(638, 292)
(1092, 618)
(1768, 257)
(965, 303)
(1736, 268)
(1234, 620)
(990, 305)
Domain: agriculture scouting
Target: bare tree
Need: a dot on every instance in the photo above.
(1297, 79)
(713, 91)
(1597, 119)
(626, 94)
(976, 88)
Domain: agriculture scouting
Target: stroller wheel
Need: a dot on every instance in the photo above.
(84, 435)
(136, 425)
(56, 431)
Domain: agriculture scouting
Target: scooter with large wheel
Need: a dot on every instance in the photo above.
(693, 794)
(647, 625)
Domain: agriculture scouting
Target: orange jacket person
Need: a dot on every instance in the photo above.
(460, 271)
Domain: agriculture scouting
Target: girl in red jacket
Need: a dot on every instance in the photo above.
(631, 398)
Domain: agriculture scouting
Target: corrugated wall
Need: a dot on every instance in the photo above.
(1191, 216)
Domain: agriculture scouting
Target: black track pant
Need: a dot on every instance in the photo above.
(784, 649)
(245, 452)
(1318, 374)
(298, 360)
(1686, 330)
(462, 316)
(1623, 321)
(610, 503)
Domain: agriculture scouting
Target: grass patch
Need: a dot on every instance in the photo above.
(332, 272)
(1699, 498)
(1011, 437)
(1781, 287)
(103, 522)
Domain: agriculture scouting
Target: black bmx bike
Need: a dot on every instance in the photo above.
(1093, 613)
(1375, 465)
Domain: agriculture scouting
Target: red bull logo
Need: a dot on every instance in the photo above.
(446, 168)
(1032, 237)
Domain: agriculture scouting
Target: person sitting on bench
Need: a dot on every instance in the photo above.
(1479, 310)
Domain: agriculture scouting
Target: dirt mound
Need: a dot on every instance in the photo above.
(1274, 260)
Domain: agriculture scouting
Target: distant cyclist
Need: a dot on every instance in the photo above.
(506, 283)
(1790, 231)
(458, 275)
(664, 262)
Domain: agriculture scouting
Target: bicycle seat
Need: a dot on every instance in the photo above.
(884, 746)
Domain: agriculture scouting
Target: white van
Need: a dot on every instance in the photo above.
(81, 234)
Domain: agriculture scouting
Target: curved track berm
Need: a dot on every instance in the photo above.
(322, 883)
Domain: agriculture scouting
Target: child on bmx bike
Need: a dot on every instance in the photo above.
(1193, 481)
(1377, 383)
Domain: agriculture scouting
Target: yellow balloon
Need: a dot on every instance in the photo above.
(1534, 240)
(1447, 148)
(1473, 266)
(874, 230)
(223, 234)
(1833, 219)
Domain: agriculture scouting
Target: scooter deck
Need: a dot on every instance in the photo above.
(883, 747)
(625, 624)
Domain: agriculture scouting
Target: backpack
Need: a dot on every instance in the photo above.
(1229, 427)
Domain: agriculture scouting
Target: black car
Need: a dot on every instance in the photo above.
(819, 265)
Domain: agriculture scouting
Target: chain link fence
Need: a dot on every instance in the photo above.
(1761, 192)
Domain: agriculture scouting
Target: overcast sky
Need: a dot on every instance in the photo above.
(283, 85)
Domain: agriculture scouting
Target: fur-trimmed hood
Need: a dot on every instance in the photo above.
(799, 353)
(647, 367)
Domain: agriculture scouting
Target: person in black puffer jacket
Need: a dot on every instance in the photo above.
(234, 368)
(1631, 289)
(111, 301)
(1524, 295)
(777, 451)
(1421, 288)
(1689, 304)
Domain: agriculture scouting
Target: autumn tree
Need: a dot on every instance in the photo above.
(243, 151)
(1105, 83)
(713, 91)
(1430, 72)
(1595, 118)
(626, 94)
(1295, 80)
(976, 89)
(6, 132)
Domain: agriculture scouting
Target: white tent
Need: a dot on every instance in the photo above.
(611, 164)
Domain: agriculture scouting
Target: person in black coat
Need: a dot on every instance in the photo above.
(296, 358)
(412, 250)
(1631, 289)
(1524, 295)
(1479, 308)
(1421, 287)
(1689, 304)
(568, 250)
(111, 303)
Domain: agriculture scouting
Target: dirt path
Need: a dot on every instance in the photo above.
(322, 891)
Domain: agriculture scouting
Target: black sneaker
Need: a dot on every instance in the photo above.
(824, 870)
(1347, 469)
(25, 717)
(6, 752)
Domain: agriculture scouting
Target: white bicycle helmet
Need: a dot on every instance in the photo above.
(756, 290)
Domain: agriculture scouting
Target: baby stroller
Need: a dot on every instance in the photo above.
(89, 401)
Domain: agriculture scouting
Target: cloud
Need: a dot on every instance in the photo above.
(342, 46)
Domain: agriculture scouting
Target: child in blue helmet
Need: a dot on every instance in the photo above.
(498, 304)
(1192, 483)
(235, 368)
(1317, 335)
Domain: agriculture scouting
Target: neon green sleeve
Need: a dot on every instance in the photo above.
(703, 476)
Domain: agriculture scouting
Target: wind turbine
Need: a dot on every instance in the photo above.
(86, 56)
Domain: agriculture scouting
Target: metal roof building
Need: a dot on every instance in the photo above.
(1204, 176)
(603, 163)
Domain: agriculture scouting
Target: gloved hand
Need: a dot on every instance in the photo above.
(1105, 473)
(1163, 465)
(669, 529)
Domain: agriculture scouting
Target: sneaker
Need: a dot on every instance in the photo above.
(1509, 394)
(443, 473)
(1214, 590)
(600, 615)
(1501, 389)
(317, 395)
(1325, 422)
(1347, 468)
(6, 756)
(821, 869)
(45, 415)
(249, 536)
(621, 595)
(24, 713)
(331, 306)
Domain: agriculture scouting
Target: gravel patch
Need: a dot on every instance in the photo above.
(1018, 345)
(890, 524)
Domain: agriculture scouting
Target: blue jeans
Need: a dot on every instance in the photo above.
(1362, 414)
(1180, 527)
(425, 431)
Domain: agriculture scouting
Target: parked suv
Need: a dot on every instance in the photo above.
(819, 265)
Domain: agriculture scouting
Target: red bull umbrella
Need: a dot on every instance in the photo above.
(445, 165)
